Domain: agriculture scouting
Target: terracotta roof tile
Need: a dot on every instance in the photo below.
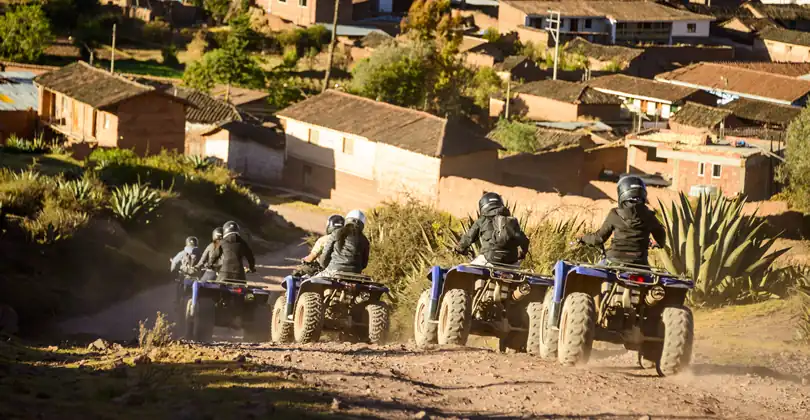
(732, 79)
(637, 86)
(635, 11)
(603, 52)
(380, 122)
(570, 92)
(92, 86)
(785, 69)
(764, 112)
(786, 36)
(204, 109)
(701, 116)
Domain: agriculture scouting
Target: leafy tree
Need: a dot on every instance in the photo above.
(396, 74)
(492, 35)
(424, 18)
(485, 83)
(796, 169)
(25, 32)
(230, 65)
(218, 9)
(515, 136)
(240, 31)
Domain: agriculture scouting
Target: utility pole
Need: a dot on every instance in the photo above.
(553, 27)
(331, 48)
(112, 55)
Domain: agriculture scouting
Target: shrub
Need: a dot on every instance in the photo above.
(515, 136)
(290, 57)
(54, 223)
(725, 252)
(15, 144)
(160, 335)
(157, 31)
(134, 202)
(22, 193)
(803, 327)
(492, 34)
(85, 194)
(102, 157)
(169, 55)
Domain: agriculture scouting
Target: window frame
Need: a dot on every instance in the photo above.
(588, 24)
(701, 169)
(350, 149)
(302, 3)
(719, 172)
(317, 136)
(691, 28)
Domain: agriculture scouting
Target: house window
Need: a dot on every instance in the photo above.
(302, 3)
(106, 120)
(348, 146)
(701, 169)
(691, 27)
(313, 136)
(282, 1)
(94, 126)
(716, 170)
(588, 23)
(652, 155)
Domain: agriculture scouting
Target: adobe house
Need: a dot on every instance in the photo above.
(18, 105)
(762, 114)
(654, 99)
(558, 100)
(784, 45)
(358, 152)
(698, 119)
(745, 29)
(89, 105)
(307, 12)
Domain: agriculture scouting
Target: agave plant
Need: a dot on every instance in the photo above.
(134, 201)
(725, 252)
(198, 162)
(80, 189)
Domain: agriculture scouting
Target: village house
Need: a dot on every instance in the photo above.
(89, 105)
(358, 151)
(216, 128)
(655, 99)
(519, 68)
(479, 52)
(795, 70)
(558, 100)
(692, 164)
(18, 105)
(745, 29)
(604, 57)
(790, 16)
(307, 12)
(762, 114)
(784, 45)
(605, 22)
(732, 82)
(251, 101)
(697, 119)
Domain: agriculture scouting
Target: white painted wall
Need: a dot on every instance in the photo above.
(217, 148)
(680, 28)
(400, 172)
(255, 161)
(329, 151)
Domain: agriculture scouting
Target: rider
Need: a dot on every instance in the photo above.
(232, 250)
(631, 224)
(183, 262)
(207, 262)
(347, 248)
(334, 222)
(502, 239)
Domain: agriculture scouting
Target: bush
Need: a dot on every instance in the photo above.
(160, 335)
(796, 170)
(15, 144)
(54, 223)
(515, 136)
(803, 327)
(492, 35)
(157, 31)
(22, 193)
(102, 157)
(134, 202)
(84, 195)
(169, 55)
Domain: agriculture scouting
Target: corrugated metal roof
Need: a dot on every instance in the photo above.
(17, 91)
(352, 30)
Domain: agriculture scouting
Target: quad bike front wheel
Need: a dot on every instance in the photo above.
(258, 329)
(676, 353)
(201, 327)
(548, 338)
(424, 331)
(282, 331)
(455, 318)
(577, 328)
(308, 322)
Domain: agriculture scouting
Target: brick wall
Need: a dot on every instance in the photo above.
(480, 165)
(509, 18)
(758, 178)
(315, 11)
(479, 60)
(601, 112)
(639, 163)
(611, 158)
(150, 123)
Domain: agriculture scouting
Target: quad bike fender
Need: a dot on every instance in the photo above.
(436, 285)
(289, 285)
(570, 279)
(445, 280)
(195, 288)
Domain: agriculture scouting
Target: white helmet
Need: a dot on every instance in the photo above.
(357, 215)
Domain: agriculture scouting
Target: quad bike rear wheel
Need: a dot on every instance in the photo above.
(376, 316)
(577, 328)
(203, 316)
(282, 331)
(308, 322)
(258, 329)
(424, 331)
(676, 353)
(455, 318)
(535, 313)
(548, 337)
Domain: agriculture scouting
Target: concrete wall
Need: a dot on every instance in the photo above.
(779, 51)
(680, 29)
(150, 123)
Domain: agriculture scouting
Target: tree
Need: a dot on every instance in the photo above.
(485, 83)
(796, 169)
(515, 136)
(230, 65)
(218, 9)
(397, 74)
(25, 32)
(492, 35)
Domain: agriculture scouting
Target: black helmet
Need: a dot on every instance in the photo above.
(632, 188)
(217, 234)
(335, 221)
(489, 201)
(192, 241)
(230, 227)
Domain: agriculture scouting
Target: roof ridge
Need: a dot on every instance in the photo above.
(386, 104)
(119, 77)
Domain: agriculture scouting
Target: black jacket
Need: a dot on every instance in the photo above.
(631, 227)
(207, 260)
(349, 254)
(232, 250)
(497, 248)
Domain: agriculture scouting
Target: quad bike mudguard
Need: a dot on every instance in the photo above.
(292, 284)
(239, 287)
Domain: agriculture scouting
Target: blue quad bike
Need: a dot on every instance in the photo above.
(639, 307)
(235, 304)
(346, 302)
(494, 301)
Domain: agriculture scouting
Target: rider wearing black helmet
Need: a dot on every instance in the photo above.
(183, 262)
(231, 252)
(334, 222)
(631, 224)
(207, 261)
(502, 239)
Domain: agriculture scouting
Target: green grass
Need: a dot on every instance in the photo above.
(147, 68)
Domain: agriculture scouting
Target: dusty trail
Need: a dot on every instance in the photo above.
(402, 381)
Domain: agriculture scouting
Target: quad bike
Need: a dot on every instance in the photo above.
(494, 300)
(346, 302)
(637, 306)
(225, 303)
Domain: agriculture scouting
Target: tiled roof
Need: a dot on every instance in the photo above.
(786, 36)
(755, 24)
(701, 116)
(17, 91)
(781, 11)
(603, 52)
(785, 69)
(258, 133)
(629, 11)
(765, 112)
(237, 95)
(204, 109)
(551, 140)
(92, 86)
(380, 122)
(636, 86)
(509, 63)
(732, 79)
(375, 40)
(570, 92)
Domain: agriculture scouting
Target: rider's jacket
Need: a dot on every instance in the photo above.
(631, 226)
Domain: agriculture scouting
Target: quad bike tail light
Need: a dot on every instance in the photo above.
(637, 278)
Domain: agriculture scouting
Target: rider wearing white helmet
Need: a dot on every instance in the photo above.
(347, 249)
